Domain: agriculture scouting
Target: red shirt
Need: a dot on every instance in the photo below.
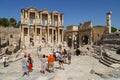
(51, 58)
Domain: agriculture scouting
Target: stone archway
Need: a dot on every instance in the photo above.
(85, 40)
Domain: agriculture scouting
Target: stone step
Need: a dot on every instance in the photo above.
(116, 60)
(107, 61)
(110, 59)
(103, 62)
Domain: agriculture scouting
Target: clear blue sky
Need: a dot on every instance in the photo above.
(75, 11)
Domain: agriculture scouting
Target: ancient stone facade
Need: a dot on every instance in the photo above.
(71, 35)
(84, 34)
(41, 26)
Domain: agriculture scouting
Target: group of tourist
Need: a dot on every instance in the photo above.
(47, 62)
(27, 64)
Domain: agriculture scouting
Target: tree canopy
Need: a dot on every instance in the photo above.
(5, 22)
(12, 22)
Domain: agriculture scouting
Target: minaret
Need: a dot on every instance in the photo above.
(108, 21)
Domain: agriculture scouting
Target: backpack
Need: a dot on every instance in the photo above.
(32, 60)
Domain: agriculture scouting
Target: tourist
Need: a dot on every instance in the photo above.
(43, 64)
(101, 50)
(61, 61)
(30, 63)
(24, 66)
(65, 55)
(51, 62)
(4, 61)
(69, 56)
(39, 52)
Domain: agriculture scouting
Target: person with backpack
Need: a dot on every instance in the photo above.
(61, 61)
(30, 63)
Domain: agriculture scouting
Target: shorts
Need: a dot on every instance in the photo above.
(69, 58)
(61, 61)
(50, 64)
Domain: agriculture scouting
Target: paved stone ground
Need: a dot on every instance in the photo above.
(79, 69)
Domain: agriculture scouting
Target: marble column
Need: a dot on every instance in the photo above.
(62, 35)
(52, 35)
(35, 35)
(41, 19)
(28, 35)
(58, 35)
(40, 34)
(47, 34)
(59, 22)
(62, 20)
(53, 19)
(22, 34)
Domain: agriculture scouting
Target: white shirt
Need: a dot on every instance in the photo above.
(4, 59)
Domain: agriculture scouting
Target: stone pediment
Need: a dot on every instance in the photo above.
(44, 11)
(32, 9)
(55, 12)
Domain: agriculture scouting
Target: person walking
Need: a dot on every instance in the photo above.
(24, 65)
(43, 64)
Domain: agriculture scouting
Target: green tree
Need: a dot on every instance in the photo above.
(18, 24)
(113, 29)
(5, 22)
(13, 22)
(1, 22)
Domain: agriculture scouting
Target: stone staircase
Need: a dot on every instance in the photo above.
(110, 60)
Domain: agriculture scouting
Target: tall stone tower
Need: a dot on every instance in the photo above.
(108, 21)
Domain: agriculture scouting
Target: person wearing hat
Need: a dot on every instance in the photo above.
(51, 62)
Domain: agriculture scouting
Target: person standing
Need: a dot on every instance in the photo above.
(61, 61)
(51, 62)
(65, 55)
(69, 56)
(24, 66)
(43, 64)
(4, 61)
